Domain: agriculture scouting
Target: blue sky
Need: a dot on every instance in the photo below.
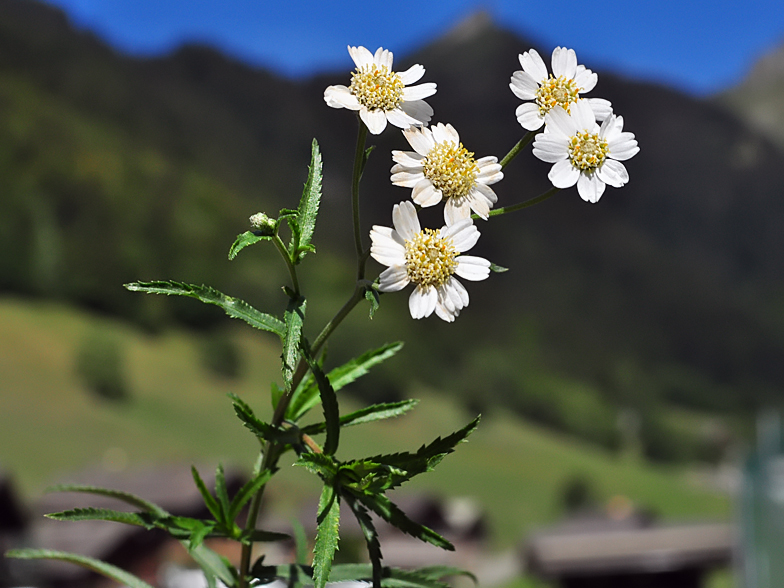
(697, 46)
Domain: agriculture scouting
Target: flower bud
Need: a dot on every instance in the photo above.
(263, 223)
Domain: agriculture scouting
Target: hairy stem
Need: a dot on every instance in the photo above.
(359, 164)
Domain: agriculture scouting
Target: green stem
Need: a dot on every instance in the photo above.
(359, 164)
(524, 204)
(287, 258)
(527, 138)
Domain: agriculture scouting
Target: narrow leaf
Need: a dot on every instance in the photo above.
(246, 493)
(309, 204)
(319, 463)
(342, 376)
(234, 307)
(209, 501)
(326, 535)
(294, 317)
(375, 412)
(258, 427)
(245, 239)
(223, 496)
(126, 497)
(498, 269)
(371, 537)
(372, 296)
(329, 401)
(389, 511)
(257, 535)
(300, 542)
(145, 520)
(108, 570)
(213, 564)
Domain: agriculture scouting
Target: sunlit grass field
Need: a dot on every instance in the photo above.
(50, 424)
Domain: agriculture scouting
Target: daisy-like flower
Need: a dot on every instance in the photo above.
(584, 153)
(382, 95)
(561, 88)
(440, 168)
(429, 259)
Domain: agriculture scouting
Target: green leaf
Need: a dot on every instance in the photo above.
(108, 570)
(209, 501)
(294, 318)
(329, 401)
(234, 307)
(300, 542)
(375, 412)
(258, 535)
(389, 511)
(428, 577)
(245, 239)
(371, 537)
(498, 269)
(319, 463)
(223, 496)
(340, 377)
(246, 493)
(214, 565)
(372, 296)
(146, 520)
(328, 520)
(439, 572)
(258, 427)
(308, 205)
(126, 497)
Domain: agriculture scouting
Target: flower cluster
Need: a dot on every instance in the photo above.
(440, 169)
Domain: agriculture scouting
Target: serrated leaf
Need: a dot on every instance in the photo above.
(234, 307)
(371, 537)
(258, 427)
(209, 501)
(103, 568)
(328, 521)
(126, 497)
(389, 511)
(340, 377)
(329, 401)
(246, 493)
(309, 205)
(319, 463)
(375, 412)
(222, 495)
(246, 239)
(146, 520)
(498, 269)
(294, 318)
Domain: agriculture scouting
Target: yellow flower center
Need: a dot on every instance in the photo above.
(587, 151)
(376, 87)
(430, 259)
(558, 91)
(452, 169)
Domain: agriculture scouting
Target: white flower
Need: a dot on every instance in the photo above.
(440, 168)
(381, 95)
(429, 259)
(561, 88)
(583, 153)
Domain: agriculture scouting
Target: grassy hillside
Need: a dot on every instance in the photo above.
(50, 424)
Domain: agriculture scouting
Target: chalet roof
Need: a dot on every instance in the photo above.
(602, 547)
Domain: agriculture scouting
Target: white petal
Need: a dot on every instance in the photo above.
(412, 75)
(534, 65)
(612, 172)
(454, 212)
(383, 57)
(590, 188)
(341, 97)
(406, 179)
(601, 108)
(393, 278)
(472, 268)
(583, 115)
(375, 120)
(459, 290)
(585, 79)
(409, 159)
(404, 217)
(425, 193)
(623, 150)
(411, 93)
(386, 237)
(563, 174)
(564, 62)
(487, 194)
(387, 246)
(559, 121)
(463, 233)
(420, 139)
(418, 109)
(529, 117)
(400, 119)
(444, 314)
(550, 147)
(422, 302)
(523, 85)
(445, 133)
(361, 56)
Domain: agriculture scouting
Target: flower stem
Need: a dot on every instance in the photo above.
(285, 254)
(359, 164)
(527, 138)
(525, 204)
